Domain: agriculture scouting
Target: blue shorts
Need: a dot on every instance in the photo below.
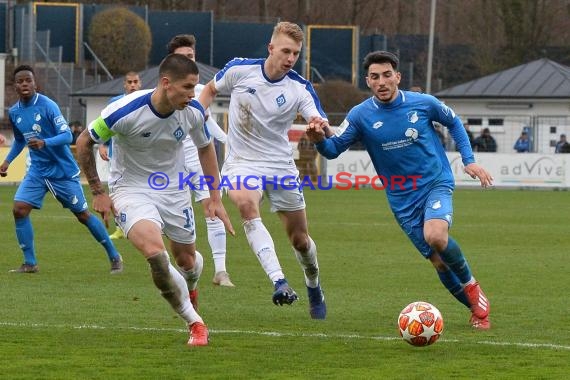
(436, 204)
(68, 192)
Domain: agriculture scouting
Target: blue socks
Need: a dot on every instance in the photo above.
(459, 272)
(99, 232)
(451, 283)
(453, 257)
(25, 235)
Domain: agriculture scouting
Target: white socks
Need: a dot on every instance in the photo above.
(308, 261)
(262, 245)
(217, 240)
(172, 286)
(192, 276)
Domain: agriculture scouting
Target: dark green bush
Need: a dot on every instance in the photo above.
(121, 39)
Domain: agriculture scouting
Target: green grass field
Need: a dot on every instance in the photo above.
(75, 321)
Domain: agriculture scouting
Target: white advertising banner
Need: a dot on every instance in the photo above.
(508, 170)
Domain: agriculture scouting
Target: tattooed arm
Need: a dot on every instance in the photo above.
(101, 201)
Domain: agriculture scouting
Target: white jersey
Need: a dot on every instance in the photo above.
(190, 150)
(146, 143)
(262, 111)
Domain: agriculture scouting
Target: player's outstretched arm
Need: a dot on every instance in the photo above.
(101, 201)
(208, 94)
(4, 168)
(316, 130)
(477, 171)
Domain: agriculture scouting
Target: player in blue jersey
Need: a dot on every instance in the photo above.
(397, 129)
(146, 194)
(38, 124)
(266, 96)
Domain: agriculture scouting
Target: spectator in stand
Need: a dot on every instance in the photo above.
(76, 129)
(439, 132)
(485, 142)
(562, 146)
(469, 135)
(522, 145)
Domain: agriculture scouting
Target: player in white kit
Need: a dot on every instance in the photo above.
(185, 44)
(266, 96)
(146, 195)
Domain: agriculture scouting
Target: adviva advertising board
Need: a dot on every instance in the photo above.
(508, 170)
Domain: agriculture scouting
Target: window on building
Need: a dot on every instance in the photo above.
(496, 122)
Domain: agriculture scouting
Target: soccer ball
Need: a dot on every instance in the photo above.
(420, 324)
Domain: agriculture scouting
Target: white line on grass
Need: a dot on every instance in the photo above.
(280, 334)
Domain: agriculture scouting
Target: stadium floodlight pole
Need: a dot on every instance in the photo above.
(430, 45)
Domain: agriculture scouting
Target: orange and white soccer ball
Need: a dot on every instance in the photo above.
(420, 324)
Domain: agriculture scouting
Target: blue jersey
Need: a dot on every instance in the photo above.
(401, 140)
(41, 118)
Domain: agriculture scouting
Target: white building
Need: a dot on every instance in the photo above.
(534, 96)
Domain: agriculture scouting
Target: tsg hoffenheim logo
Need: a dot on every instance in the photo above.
(280, 100)
(413, 117)
(37, 128)
(436, 205)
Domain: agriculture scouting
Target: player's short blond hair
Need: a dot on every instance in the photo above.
(290, 29)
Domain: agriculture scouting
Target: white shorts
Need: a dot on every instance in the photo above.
(171, 211)
(199, 189)
(280, 185)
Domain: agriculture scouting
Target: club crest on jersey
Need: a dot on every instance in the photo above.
(37, 117)
(413, 117)
(36, 128)
(178, 134)
(377, 125)
(280, 100)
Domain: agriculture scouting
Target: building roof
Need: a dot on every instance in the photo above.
(149, 78)
(542, 78)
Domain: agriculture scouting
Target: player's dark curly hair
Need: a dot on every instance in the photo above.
(181, 40)
(380, 56)
(24, 68)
